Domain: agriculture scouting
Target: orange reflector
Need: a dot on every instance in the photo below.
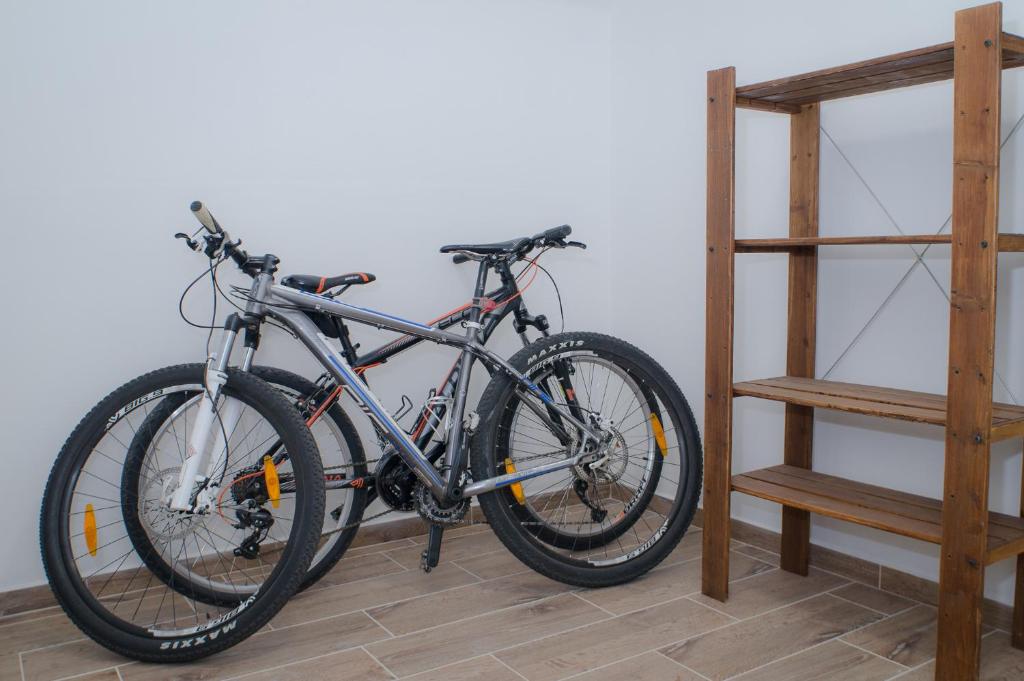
(90, 529)
(273, 482)
(517, 488)
(659, 435)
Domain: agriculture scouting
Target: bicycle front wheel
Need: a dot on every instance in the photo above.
(222, 574)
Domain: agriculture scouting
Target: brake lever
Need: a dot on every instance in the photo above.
(192, 243)
(577, 244)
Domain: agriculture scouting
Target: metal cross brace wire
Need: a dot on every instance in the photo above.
(918, 259)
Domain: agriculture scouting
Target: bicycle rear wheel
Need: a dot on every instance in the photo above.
(610, 519)
(230, 570)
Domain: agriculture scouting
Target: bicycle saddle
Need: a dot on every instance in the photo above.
(511, 246)
(314, 283)
(488, 249)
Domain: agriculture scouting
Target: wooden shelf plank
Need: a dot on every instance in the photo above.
(905, 514)
(1007, 242)
(904, 405)
(925, 65)
(1013, 44)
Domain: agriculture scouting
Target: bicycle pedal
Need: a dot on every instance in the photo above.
(432, 554)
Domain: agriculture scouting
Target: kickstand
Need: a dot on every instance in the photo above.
(432, 554)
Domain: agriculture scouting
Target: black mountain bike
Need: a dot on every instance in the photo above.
(187, 506)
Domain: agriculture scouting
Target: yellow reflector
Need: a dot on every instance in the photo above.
(273, 482)
(90, 529)
(517, 488)
(659, 435)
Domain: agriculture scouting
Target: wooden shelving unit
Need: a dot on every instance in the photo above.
(970, 535)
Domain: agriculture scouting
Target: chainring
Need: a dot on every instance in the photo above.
(433, 512)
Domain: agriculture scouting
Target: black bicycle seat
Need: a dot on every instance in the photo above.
(314, 283)
(500, 247)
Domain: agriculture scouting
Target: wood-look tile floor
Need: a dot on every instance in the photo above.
(482, 615)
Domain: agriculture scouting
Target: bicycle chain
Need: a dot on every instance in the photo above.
(361, 520)
(390, 510)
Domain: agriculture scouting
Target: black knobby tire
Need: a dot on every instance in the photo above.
(279, 378)
(501, 509)
(127, 638)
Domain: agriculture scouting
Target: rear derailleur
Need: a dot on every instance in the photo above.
(260, 520)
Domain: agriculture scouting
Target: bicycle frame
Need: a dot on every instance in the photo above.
(290, 307)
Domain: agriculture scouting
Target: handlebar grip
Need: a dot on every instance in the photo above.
(205, 218)
(459, 258)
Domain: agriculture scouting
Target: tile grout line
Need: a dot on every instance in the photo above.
(377, 660)
(448, 664)
(506, 666)
(711, 607)
(485, 579)
(85, 673)
(689, 669)
(53, 645)
(288, 664)
(871, 652)
(911, 670)
(913, 604)
(378, 623)
(588, 602)
(385, 554)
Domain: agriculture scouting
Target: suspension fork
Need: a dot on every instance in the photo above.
(198, 450)
(562, 370)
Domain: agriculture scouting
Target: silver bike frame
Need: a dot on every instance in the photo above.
(289, 306)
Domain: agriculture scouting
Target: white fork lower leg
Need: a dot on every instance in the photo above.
(198, 450)
(230, 414)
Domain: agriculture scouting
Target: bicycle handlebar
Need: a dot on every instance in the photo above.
(205, 218)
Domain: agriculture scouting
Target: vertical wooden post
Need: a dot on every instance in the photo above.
(804, 142)
(719, 330)
(977, 75)
(1017, 637)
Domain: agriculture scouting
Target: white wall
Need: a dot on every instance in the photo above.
(899, 142)
(339, 135)
(363, 135)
